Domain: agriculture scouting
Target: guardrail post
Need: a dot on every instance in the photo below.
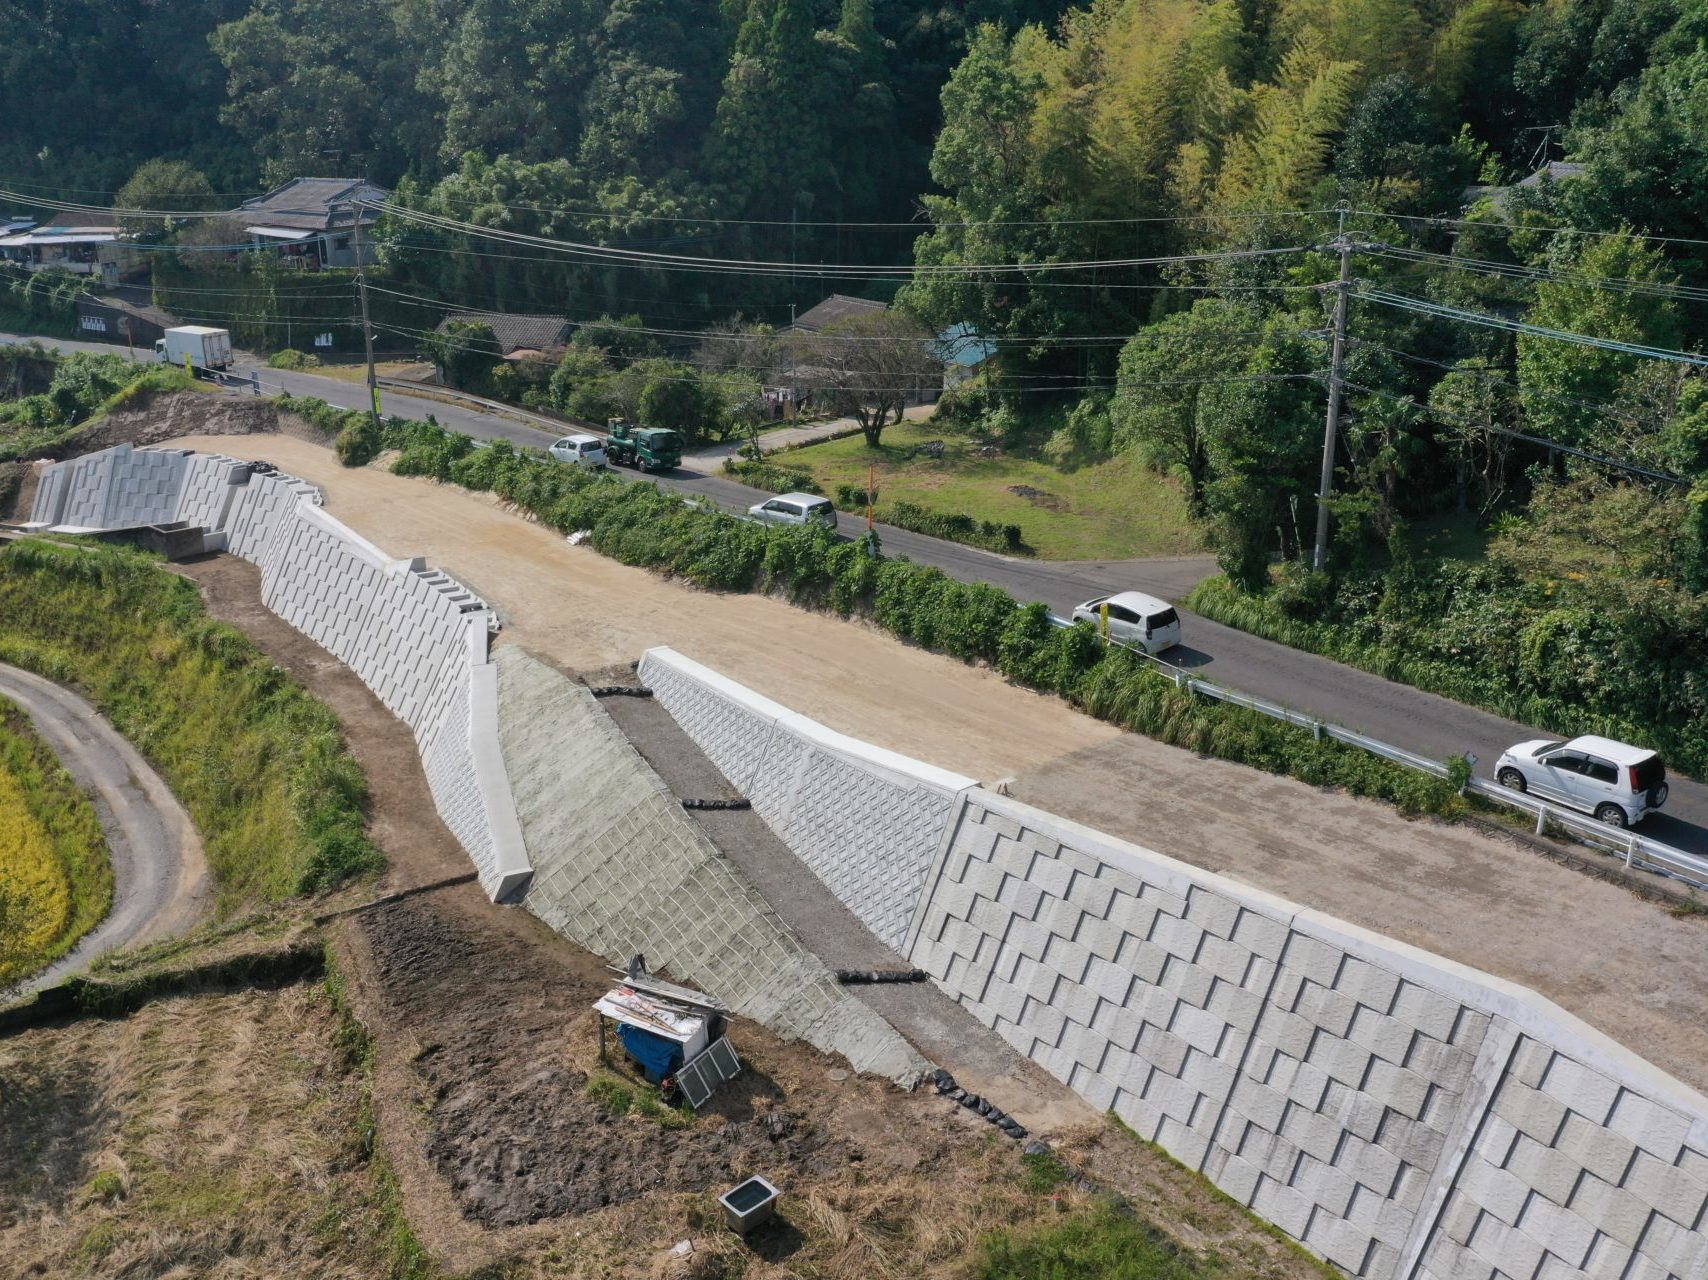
(1180, 678)
(1316, 731)
(1541, 820)
(1630, 849)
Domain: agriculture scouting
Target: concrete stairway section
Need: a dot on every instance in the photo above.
(620, 868)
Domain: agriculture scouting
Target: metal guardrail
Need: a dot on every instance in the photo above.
(1632, 849)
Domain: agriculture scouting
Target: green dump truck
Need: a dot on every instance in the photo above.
(649, 448)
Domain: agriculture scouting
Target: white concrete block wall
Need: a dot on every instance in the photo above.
(415, 636)
(1574, 1171)
(1403, 1116)
(866, 821)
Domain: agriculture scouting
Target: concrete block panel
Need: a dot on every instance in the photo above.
(868, 823)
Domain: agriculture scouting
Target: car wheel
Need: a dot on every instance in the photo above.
(1657, 796)
(1512, 779)
(1612, 815)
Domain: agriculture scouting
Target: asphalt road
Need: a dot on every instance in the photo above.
(1395, 713)
(160, 880)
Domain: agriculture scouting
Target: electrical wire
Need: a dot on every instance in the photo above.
(1454, 420)
(619, 256)
(1479, 266)
(1437, 220)
(1440, 311)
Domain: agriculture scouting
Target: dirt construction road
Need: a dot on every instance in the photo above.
(160, 879)
(1624, 965)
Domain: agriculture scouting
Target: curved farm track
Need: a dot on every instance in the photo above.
(160, 879)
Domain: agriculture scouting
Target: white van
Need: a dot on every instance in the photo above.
(1135, 619)
(582, 451)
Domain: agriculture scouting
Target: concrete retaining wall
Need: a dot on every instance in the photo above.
(620, 868)
(416, 636)
(867, 821)
(1401, 1115)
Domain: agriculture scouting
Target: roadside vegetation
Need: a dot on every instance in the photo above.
(259, 764)
(639, 524)
(82, 387)
(56, 880)
(1587, 615)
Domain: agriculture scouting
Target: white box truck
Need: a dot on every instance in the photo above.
(204, 348)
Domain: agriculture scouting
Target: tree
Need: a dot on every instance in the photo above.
(464, 352)
(680, 397)
(868, 367)
(1553, 373)
(621, 340)
(163, 185)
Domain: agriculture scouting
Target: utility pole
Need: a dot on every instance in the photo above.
(362, 291)
(1337, 361)
(367, 328)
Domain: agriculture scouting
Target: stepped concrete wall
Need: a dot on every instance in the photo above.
(416, 636)
(1403, 1116)
(621, 868)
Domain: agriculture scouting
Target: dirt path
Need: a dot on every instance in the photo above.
(160, 878)
(1622, 964)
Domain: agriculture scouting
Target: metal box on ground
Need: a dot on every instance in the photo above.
(749, 1204)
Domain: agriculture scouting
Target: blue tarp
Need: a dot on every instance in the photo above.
(658, 1057)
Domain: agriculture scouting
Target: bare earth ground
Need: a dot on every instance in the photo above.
(1624, 965)
(484, 1045)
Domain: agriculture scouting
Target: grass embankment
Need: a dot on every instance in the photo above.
(1106, 511)
(56, 881)
(259, 764)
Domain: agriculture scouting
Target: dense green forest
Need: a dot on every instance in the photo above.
(1511, 171)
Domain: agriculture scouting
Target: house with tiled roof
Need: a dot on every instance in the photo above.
(518, 335)
(314, 222)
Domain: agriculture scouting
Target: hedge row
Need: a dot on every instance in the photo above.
(639, 524)
(771, 478)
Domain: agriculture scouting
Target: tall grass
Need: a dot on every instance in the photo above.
(53, 855)
(1099, 1244)
(258, 762)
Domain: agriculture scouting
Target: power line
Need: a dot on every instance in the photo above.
(1488, 375)
(1440, 311)
(1480, 266)
(1437, 220)
(635, 257)
(1450, 419)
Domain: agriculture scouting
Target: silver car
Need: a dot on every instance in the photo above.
(581, 450)
(1617, 783)
(795, 509)
(1135, 619)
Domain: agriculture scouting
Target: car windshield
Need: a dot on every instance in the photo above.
(1650, 773)
(1167, 618)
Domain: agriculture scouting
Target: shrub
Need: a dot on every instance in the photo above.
(954, 528)
(360, 442)
(772, 478)
(290, 358)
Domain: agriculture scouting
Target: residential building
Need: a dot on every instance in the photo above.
(519, 336)
(838, 306)
(88, 248)
(313, 222)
